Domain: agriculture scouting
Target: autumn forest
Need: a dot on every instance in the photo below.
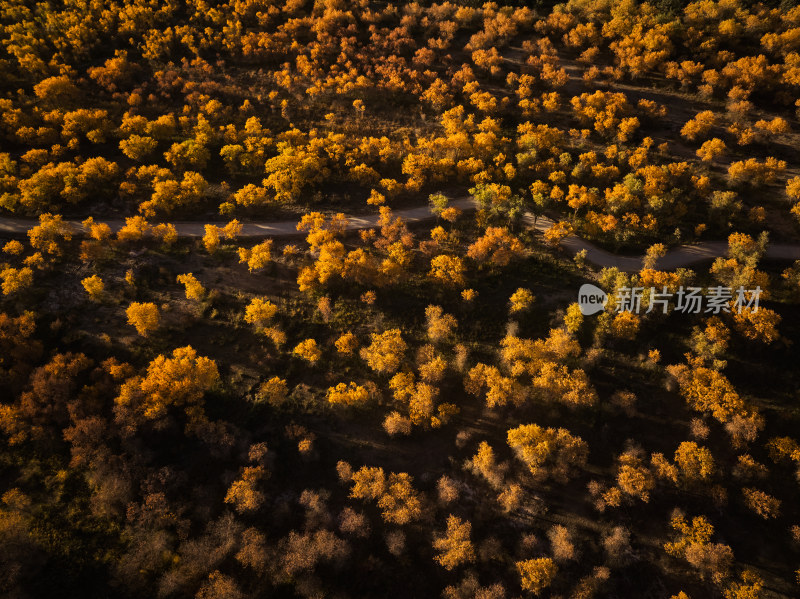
(289, 299)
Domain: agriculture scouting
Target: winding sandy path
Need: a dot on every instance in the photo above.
(684, 255)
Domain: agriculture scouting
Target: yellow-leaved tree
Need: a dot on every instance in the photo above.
(349, 395)
(521, 300)
(15, 279)
(536, 574)
(179, 381)
(144, 316)
(455, 547)
(347, 343)
(448, 270)
(385, 353)
(440, 326)
(548, 452)
(256, 257)
(94, 287)
(308, 350)
(259, 313)
(194, 290)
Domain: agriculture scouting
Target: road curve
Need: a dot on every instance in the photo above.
(683, 255)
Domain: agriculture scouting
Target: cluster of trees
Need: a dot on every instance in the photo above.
(160, 86)
(422, 379)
